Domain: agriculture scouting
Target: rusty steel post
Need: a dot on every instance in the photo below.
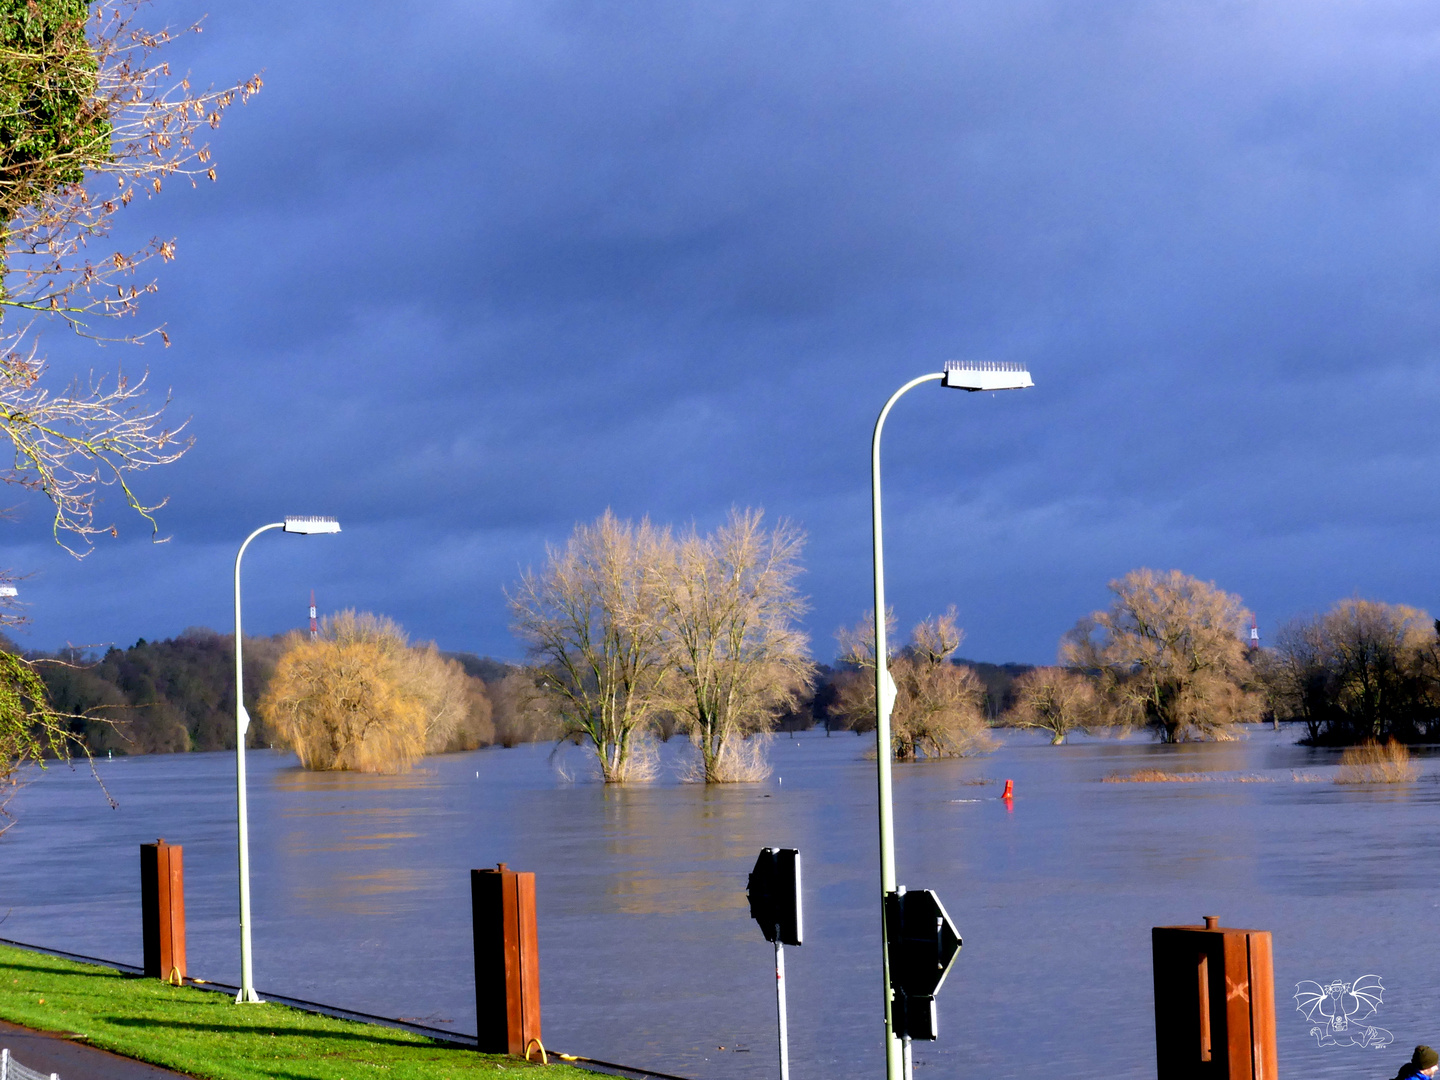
(1214, 1003)
(507, 961)
(162, 910)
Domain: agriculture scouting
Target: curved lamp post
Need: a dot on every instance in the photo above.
(960, 376)
(305, 526)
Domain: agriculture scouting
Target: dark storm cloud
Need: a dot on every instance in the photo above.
(475, 272)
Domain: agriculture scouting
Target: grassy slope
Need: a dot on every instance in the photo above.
(206, 1034)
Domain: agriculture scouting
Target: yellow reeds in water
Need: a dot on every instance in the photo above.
(1374, 763)
(1153, 776)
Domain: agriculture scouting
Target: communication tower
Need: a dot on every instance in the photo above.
(1254, 634)
(314, 626)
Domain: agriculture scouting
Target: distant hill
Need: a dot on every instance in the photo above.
(162, 696)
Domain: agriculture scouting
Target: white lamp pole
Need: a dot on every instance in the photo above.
(961, 376)
(303, 525)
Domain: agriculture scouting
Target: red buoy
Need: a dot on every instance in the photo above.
(1009, 792)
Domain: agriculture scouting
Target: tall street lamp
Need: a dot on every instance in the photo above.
(306, 526)
(960, 376)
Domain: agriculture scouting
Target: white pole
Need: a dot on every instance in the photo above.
(780, 1006)
(884, 701)
(909, 1064)
(242, 724)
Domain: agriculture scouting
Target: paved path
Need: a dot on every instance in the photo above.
(72, 1060)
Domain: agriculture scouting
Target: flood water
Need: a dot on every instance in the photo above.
(648, 955)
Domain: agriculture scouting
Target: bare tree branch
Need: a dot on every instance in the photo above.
(86, 101)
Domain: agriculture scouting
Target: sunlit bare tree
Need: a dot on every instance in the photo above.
(1056, 700)
(361, 698)
(939, 706)
(734, 656)
(1295, 677)
(1168, 654)
(591, 620)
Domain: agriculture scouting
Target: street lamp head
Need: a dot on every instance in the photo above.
(311, 525)
(972, 376)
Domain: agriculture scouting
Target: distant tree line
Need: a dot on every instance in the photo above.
(1169, 654)
(1364, 671)
(157, 697)
(727, 662)
(178, 695)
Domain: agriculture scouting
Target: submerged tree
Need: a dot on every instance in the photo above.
(1364, 671)
(360, 698)
(1168, 654)
(939, 705)
(591, 621)
(734, 658)
(1055, 699)
(522, 713)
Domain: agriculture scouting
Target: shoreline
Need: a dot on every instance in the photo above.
(335, 1012)
(192, 1030)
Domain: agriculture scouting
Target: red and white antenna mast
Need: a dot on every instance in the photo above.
(1254, 634)
(314, 626)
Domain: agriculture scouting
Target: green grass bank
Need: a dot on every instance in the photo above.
(207, 1035)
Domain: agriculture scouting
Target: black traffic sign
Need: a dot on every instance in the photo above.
(922, 945)
(774, 892)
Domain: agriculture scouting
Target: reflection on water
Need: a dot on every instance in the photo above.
(640, 826)
(357, 894)
(361, 893)
(346, 784)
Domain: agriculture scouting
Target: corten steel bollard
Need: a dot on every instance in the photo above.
(507, 961)
(162, 909)
(1214, 1003)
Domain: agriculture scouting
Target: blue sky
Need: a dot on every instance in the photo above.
(472, 273)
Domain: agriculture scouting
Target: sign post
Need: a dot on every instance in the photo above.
(774, 892)
(923, 944)
(780, 1010)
